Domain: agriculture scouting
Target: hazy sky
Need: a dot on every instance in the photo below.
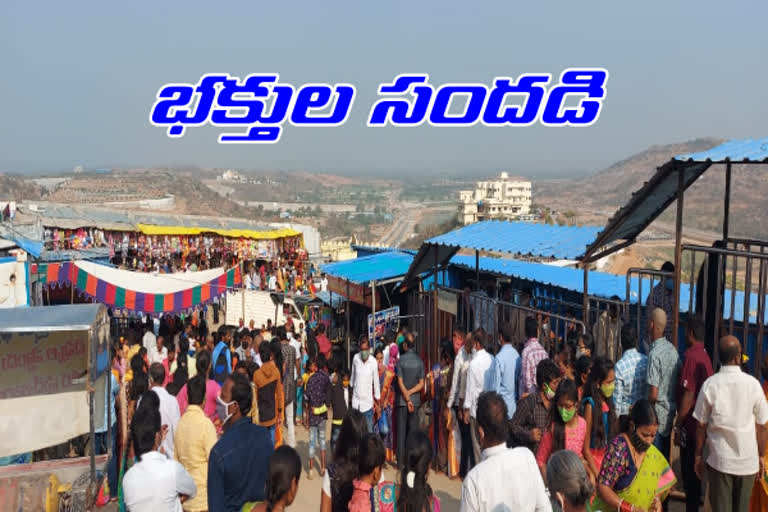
(79, 78)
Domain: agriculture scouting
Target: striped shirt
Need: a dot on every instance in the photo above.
(533, 354)
(631, 371)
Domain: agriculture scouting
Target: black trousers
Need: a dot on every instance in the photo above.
(691, 482)
(467, 460)
(407, 422)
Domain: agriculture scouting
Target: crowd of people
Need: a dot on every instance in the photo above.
(210, 421)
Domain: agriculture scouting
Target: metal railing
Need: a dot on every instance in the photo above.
(645, 276)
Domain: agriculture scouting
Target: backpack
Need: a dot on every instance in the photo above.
(222, 362)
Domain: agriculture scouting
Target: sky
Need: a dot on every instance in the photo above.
(83, 75)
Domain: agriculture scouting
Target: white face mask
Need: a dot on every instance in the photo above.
(222, 410)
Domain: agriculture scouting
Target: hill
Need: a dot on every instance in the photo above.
(595, 198)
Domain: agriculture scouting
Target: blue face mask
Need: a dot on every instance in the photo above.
(669, 284)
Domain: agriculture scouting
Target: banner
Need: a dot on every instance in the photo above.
(13, 283)
(354, 292)
(386, 320)
(42, 363)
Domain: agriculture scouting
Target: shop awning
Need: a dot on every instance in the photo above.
(375, 268)
(273, 234)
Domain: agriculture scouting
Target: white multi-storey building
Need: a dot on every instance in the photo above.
(501, 199)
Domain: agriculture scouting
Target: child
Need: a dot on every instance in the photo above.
(282, 481)
(567, 430)
(341, 401)
(310, 370)
(415, 493)
(598, 408)
(317, 392)
(367, 487)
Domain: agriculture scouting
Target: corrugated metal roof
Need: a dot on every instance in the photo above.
(738, 150)
(379, 267)
(561, 242)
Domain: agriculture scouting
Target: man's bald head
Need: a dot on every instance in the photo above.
(729, 350)
(658, 322)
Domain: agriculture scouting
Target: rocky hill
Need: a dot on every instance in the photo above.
(596, 197)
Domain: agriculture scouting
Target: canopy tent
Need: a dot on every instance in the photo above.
(139, 291)
(520, 238)
(229, 233)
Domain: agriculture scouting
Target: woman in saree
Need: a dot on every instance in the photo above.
(383, 424)
(759, 501)
(635, 476)
(441, 431)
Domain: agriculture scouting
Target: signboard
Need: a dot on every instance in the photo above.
(386, 319)
(354, 292)
(42, 363)
(447, 301)
(13, 283)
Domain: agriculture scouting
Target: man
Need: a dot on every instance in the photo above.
(102, 434)
(158, 353)
(149, 340)
(506, 479)
(532, 354)
(243, 349)
(269, 390)
(318, 399)
(155, 482)
(606, 331)
(324, 284)
(194, 438)
(237, 469)
(241, 327)
(478, 381)
(457, 395)
(290, 363)
(663, 371)
(631, 373)
(323, 343)
(169, 407)
(662, 296)
(505, 371)
(732, 416)
(697, 368)
(365, 383)
(532, 415)
(410, 381)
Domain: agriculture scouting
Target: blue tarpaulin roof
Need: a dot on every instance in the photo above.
(561, 242)
(378, 267)
(662, 190)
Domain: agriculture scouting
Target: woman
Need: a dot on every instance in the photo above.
(339, 475)
(566, 360)
(444, 430)
(585, 345)
(569, 485)
(635, 476)
(598, 407)
(415, 493)
(282, 481)
(383, 424)
(212, 389)
(759, 501)
(583, 368)
(567, 430)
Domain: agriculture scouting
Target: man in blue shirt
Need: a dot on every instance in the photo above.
(102, 444)
(237, 466)
(505, 370)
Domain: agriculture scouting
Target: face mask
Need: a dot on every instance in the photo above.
(580, 353)
(548, 392)
(608, 389)
(638, 442)
(669, 284)
(545, 327)
(364, 354)
(566, 414)
(222, 410)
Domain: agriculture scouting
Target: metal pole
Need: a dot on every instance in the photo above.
(349, 339)
(373, 304)
(585, 314)
(678, 254)
(727, 201)
(92, 406)
(435, 335)
(477, 270)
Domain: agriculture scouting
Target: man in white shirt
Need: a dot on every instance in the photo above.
(505, 480)
(297, 347)
(456, 399)
(169, 407)
(149, 339)
(157, 353)
(156, 482)
(365, 383)
(324, 284)
(478, 380)
(733, 421)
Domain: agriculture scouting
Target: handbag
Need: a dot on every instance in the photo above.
(383, 423)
